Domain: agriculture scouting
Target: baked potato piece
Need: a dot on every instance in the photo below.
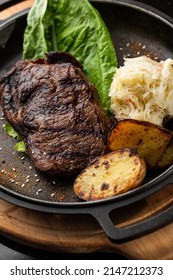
(167, 157)
(153, 143)
(112, 174)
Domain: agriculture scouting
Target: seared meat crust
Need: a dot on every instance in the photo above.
(56, 110)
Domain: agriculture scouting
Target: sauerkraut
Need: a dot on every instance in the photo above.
(143, 90)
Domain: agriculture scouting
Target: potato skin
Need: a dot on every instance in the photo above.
(153, 143)
(112, 174)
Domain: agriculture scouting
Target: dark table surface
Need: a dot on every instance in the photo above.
(12, 250)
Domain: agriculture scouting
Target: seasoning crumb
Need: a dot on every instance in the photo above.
(37, 180)
(40, 190)
(30, 167)
(143, 47)
(128, 44)
(0, 149)
(14, 169)
(23, 185)
(12, 181)
(22, 158)
(53, 182)
(52, 195)
(36, 175)
(121, 49)
(28, 176)
(27, 180)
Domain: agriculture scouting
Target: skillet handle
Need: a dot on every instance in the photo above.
(119, 235)
(129, 232)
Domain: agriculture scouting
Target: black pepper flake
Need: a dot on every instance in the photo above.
(106, 164)
(96, 165)
(104, 186)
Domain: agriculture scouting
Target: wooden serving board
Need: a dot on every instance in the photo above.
(81, 233)
(16, 9)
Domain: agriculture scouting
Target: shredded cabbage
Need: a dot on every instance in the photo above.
(143, 90)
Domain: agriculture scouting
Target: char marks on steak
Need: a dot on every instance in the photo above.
(56, 110)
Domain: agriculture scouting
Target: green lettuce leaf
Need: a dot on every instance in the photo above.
(76, 27)
(19, 146)
(10, 131)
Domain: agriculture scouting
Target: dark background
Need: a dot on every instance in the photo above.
(13, 250)
(165, 6)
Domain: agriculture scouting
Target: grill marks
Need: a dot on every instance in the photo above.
(56, 110)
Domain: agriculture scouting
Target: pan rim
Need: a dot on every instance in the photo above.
(142, 7)
(149, 187)
(120, 199)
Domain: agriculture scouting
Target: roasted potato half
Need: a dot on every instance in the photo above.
(153, 143)
(112, 174)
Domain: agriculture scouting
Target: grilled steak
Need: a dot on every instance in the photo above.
(55, 109)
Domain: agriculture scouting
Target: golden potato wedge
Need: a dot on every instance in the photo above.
(167, 157)
(112, 174)
(152, 143)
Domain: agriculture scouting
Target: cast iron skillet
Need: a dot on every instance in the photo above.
(135, 31)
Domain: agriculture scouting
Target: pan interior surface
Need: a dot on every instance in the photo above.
(134, 32)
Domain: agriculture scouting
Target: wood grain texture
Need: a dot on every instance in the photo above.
(82, 234)
(15, 9)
